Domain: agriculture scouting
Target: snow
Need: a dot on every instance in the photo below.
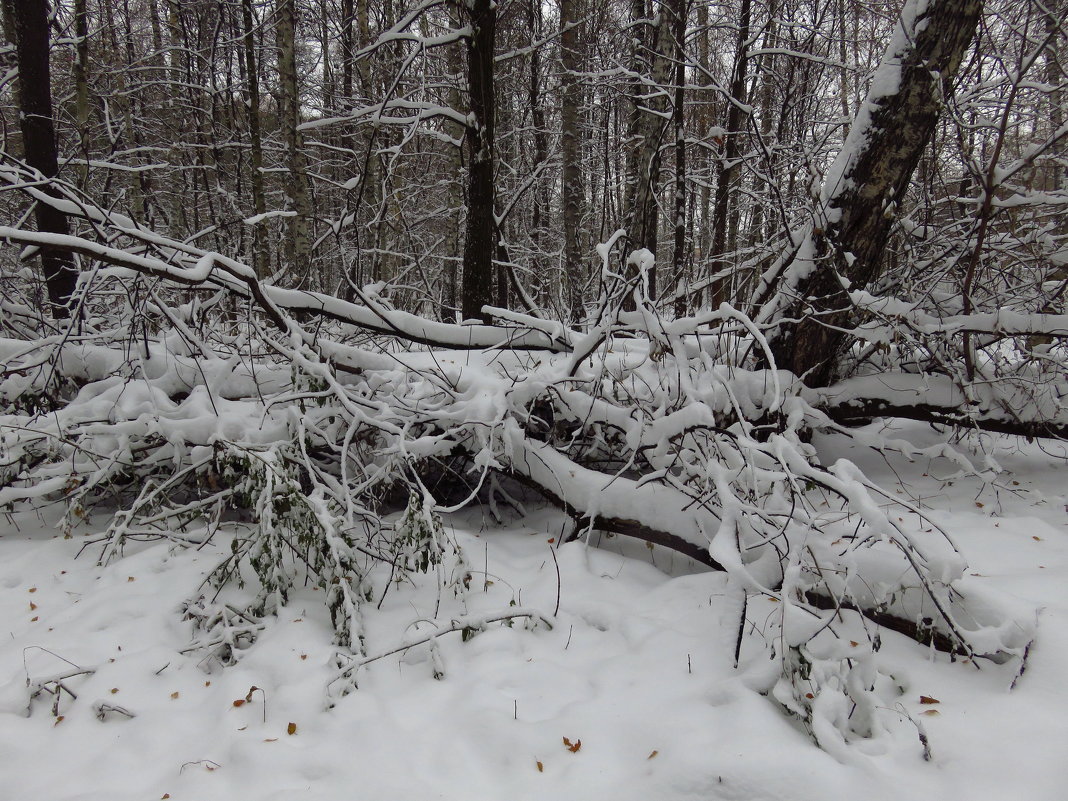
(638, 666)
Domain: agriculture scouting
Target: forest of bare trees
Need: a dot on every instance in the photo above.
(681, 236)
(470, 155)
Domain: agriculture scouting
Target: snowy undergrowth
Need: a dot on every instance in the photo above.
(294, 447)
(638, 667)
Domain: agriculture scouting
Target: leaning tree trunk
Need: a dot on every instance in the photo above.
(30, 19)
(479, 239)
(865, 186)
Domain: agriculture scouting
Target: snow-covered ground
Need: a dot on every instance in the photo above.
(639, 669)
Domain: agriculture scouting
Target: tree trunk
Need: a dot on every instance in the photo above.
(571, 194)
(30, 19)
(81, 89)
(479, 239)
(298, 246)
(650, 102)
(679, 256)
(259, 201)
(723, 244)
(454, 197)
(866, 183)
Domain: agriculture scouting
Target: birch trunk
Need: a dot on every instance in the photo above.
(865, 184)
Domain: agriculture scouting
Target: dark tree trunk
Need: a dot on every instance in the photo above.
(651, 58)
(298, 245)
(571, 191)
(259, 201)
(722, 243)
(869, 180)
(679, 255)
(39, 141)
(479, 240)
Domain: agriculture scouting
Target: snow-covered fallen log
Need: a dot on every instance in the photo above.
(654, 429)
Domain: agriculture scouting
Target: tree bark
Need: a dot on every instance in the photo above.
(479, 238)
(723, 244)
(298, 245)
(650, 101)
(571, 194)
(30, 19)
(259, 201)
(679, 254)
(866, 183)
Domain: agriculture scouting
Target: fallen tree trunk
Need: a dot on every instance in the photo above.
(624, 506)
(1033, 409)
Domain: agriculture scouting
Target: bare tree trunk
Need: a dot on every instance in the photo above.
(767, 88)
(30, 19)
(723, 244)
(298, 246)
(259, 201)
(648, 123)
(571, 196)
(540, 199)
(866, 183)
(479, 238)
(679, 255)
(704, 202)
(454, 193)
(81, 88)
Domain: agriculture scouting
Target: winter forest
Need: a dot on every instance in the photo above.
(631, 399)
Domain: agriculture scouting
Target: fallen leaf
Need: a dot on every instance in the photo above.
(34, 619)
(239, 702)
(541, 767)
(33, 589)
(32, 606)
(809, 696)
(165, 795)
(59, 719)
(303, 656)
(207, 684)
(271, 740)
(114, 690)
(552, 540)
(652, 754)
(931, 713)
(1036, 539)
(573, 747)
(926, 699)
(291, 728)
(130, 578)
(854, 643)
(980, 505)
(174, 695)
